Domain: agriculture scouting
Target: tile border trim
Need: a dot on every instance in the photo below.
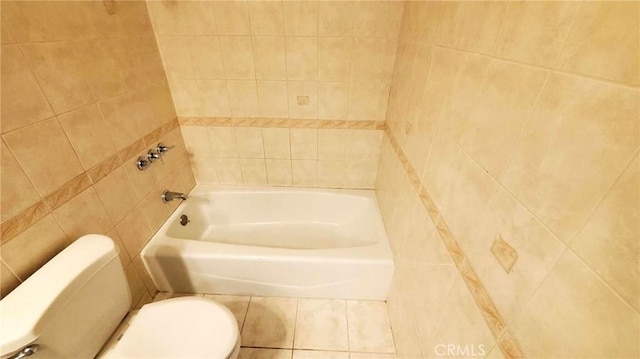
(281, 123)
(504, 339)
(24, 219)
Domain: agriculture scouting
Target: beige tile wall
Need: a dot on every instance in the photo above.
(283, 156)
(520, 121)
(84, 94)
(304, 60)
(258, 58)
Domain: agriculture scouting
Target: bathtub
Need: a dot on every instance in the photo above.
(310, 243)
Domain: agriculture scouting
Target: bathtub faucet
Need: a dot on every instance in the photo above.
(168, 196)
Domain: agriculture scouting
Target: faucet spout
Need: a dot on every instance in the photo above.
(168, 196)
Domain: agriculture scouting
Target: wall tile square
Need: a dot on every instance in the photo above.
(88, 135)
(254, 172)
(197, 141)
(304, 173)
(599, 119)
(223, 141)
(228, 170)
(278, 172)
(48, 170)
(604, 42)
(302, 58)
(232, 17)
(276, 143)
(360, 174)
(103, 73)
(330, 173)
(121, 115)
(304, 144)
(270, 59)
(333, 100)
(243, 97)
(363, 97)
(301, 18)
(590, 320)
(334, 58)
(267, 17)
(237, 57)
(134, 232)
(336, 19)
(534, 32)
(206, 57)
(273, 99)
(117, 194)
(213, 98)
(17, 191)
(249, 142)
(612, 231)
(42, 241)
(59, 74)
(84, 214)
(25, 103)
(204, 170)
(502, 110)
(331, 144)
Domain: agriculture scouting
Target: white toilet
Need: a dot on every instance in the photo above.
(72, 305)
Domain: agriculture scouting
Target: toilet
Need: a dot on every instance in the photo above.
(72, 305)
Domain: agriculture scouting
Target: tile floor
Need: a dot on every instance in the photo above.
(292, 328)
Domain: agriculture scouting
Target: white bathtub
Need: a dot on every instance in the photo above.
(311, 243)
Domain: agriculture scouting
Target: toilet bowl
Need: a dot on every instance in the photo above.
(186, 327)
(72, 305)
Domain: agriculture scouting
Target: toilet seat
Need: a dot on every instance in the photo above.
(186, 327)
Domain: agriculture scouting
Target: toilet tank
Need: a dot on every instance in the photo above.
(70, 306)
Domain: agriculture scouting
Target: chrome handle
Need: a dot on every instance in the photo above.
(142, 163)
(163, 148)
(27, 351)
(153, 155)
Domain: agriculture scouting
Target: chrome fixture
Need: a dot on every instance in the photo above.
(27, 351)
(184, 220)
(153, 155)
(163, 148)
(168, 196)
(143, 163)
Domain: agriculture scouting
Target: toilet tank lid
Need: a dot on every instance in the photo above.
(27, 309)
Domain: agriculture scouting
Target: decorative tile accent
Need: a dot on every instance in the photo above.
(152, 137)
(281, 123)
(103, 168)
(361, 125)
(131, 150)
(504, 253)
(332, 124)
(170, 126)
(483, 300)
(68, 190)
(508, 344)
(455, 251)
(509, 347)
(23, 220)
(303, 123)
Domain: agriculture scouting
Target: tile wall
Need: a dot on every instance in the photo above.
(320, 63)
(84, 94)
(516, 121)
(284, 153)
